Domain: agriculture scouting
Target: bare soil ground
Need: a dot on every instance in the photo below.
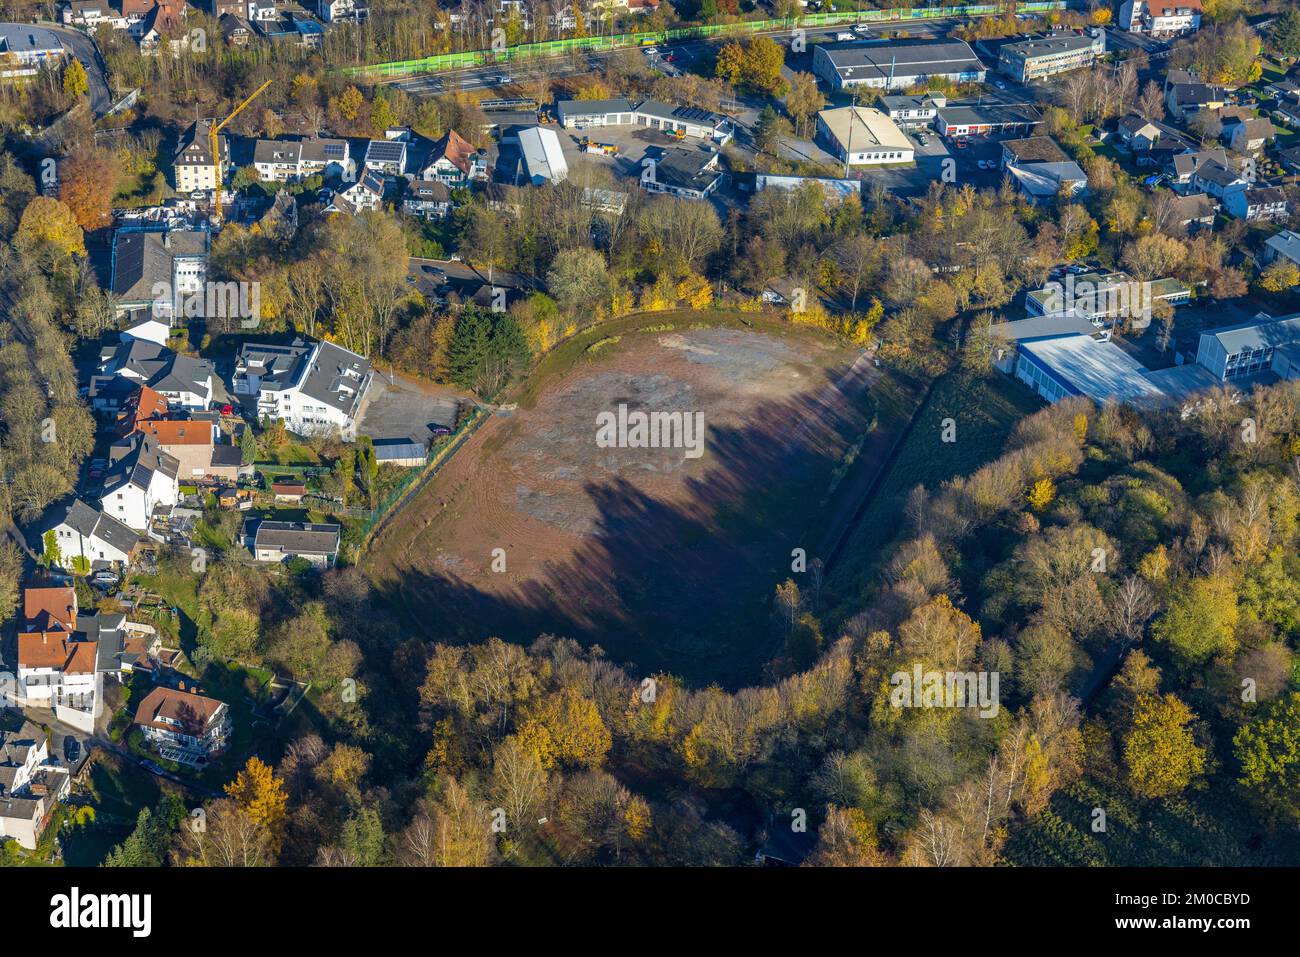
(666, 562)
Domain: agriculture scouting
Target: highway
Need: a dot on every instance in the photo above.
(685, 52)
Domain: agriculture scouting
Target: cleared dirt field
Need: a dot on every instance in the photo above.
(666, 562)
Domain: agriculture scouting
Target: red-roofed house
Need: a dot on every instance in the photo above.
(454, 161)
(193, 723)
(50, 609)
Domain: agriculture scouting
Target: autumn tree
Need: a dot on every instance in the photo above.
(1160, 751)
(87, 181)
(48, 220)
(258, 793)
(75, 82)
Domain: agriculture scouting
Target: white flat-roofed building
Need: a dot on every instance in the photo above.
(1062, 366)
(864, 136)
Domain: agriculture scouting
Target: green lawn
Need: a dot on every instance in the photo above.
(983, 412)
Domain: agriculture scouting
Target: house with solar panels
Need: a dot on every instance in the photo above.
(286, 161)
(387, 157)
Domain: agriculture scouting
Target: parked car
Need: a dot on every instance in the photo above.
(650, 51)
(153, 767)
(105, 578)
(440, 430)
(71, 749)
(227, 409)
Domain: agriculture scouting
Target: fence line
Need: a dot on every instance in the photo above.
(439, 62)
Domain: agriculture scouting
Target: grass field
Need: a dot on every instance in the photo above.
(983, 412)
(667, 562)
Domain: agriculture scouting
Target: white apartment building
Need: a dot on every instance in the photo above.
(316, 388)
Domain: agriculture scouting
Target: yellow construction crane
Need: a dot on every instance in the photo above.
(214, 143)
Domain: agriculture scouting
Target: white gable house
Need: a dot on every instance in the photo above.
(141, 482)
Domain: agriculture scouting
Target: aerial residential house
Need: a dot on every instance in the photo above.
(163, 27)
(1256, 203)
(192, 166)
(1034, 59)
(365, 193)
(125, 647)
(60, 672)
(315, 387)
(1194, 211)
(1041, 170)
(690, 174)
(913, 112)
(280, 541)
(1182, 167)
(152, 270)
(184, 381)
(277, 161)
(220, 8)
(183, 725)
(285, 161)
(147, 328)
(87, 535)
(428, 199)
(1160, 18)
(280, 221)
(30, 785)
(141, 482)
(859, 135)
(1138, 133)
(897, 65)
(235, 29)
(1284, 245)
(1185, 100)
(387, 157)
(1248, 348)
(1217, 179)
(90, 15)
(192, 443)
(454, 161)
(342, 11)
(50, 608)
(1250, 135)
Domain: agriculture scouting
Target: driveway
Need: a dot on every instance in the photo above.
(404, 408)
(87, 51)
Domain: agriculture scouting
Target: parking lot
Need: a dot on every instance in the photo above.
(405, 409)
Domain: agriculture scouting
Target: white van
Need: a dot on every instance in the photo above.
(845, 36)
